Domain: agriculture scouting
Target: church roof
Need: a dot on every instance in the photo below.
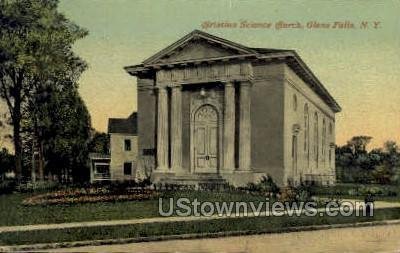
(238, 51)
(123, 125)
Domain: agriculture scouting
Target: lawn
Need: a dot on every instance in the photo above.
(360, 190)
(244, 225)
(389, 193)
(12, 212)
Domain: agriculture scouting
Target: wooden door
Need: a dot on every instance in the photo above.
(206, 140)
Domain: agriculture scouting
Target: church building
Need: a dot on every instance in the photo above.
(212, 110)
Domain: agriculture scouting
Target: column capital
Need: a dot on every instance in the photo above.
(161, 88)
(175, 86)
(246, 83)
(296, 128)
(228, 83)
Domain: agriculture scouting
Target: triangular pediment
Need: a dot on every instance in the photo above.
(198, 45)
(197, 49)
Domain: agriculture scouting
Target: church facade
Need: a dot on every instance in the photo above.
(210, 110)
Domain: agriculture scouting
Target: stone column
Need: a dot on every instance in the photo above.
(229, 127)
(162, 129)
(176, 128)
(244, 127)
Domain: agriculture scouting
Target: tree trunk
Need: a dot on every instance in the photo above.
(33, 170)
(17, 147)
(41, 161)
(16, 119)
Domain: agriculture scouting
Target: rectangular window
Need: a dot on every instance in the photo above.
(127, 169)
(127, 145)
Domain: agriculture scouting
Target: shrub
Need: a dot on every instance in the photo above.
(90, 195)
(145, 182)
(38, 186)
(7, 186)
(301, 193)
(287, 194)
(265, 185)
(356, 190)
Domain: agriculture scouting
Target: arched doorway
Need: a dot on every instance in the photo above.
(205, 139)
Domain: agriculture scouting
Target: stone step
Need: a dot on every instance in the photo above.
(193, 179)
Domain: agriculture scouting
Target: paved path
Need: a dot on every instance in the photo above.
(377, 239)
(378, 205)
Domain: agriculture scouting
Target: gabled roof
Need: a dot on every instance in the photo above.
(289, 56)
(196, 34)
(123, 125)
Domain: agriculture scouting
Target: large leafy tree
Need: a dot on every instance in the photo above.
(35, 54)
(99, 143)
(380, 165)
(358, 144)
(66, 137)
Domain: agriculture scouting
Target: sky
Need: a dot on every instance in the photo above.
(359, 67)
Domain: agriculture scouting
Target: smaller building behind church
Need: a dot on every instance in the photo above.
(120, 163)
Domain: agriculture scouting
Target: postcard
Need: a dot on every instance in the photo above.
(199, 126)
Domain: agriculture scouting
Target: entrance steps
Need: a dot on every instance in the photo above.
(199, 180)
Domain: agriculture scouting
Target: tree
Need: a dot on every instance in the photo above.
(392, 159)
(65, 141)
(353, 162)
(35, 50)
(383, 174)
(6, 161)
(380, 165)
(99, 143)
(358, 144)
(390, 147)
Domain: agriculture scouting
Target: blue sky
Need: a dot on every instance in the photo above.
(360, 67)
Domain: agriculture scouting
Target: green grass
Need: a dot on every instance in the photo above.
(250, 225)
(12, 212)
(361, 190)
(361, 198)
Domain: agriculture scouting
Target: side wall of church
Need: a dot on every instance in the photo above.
(147, 128)
(267, 120)
(311, 120)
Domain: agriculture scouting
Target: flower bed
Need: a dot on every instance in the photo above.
(89, 195)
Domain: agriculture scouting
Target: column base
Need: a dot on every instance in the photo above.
(178, 170)
(227, 170)
(163, 170)
(244, 170)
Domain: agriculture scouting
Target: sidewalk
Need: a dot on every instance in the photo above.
(51, 247)
(4, 229)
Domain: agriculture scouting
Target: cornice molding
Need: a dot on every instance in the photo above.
(302, 92)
